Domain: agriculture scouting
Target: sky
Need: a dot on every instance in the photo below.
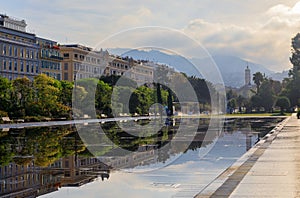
(255, 30)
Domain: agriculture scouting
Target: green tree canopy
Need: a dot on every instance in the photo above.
(258, 79)
(283, 102)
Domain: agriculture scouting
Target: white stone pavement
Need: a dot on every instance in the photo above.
(270, 169)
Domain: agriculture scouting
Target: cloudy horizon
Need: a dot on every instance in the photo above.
(258, 31)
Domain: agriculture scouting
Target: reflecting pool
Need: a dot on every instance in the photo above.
(57, 161)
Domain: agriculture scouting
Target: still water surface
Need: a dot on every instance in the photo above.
(54, 161)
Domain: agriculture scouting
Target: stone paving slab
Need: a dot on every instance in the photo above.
(270, 169)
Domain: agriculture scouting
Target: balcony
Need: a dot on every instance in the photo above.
(56, 57)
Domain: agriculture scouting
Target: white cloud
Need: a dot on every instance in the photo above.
(267, 42)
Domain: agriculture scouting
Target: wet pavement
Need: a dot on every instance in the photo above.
(270, 169)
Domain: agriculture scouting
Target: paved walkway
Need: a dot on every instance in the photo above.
(57, 123)
(270, 169)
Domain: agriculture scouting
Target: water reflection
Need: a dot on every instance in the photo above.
(37, 161)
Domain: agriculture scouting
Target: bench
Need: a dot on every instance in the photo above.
(103, 115)
(6, 120)
(19, 120)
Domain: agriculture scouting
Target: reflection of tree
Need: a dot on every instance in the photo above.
(45, 145)
(5, 154)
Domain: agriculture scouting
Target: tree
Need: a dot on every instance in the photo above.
(231, 105)
(258, 79)
(256, 102)
(141, 100)
(240, 100)
(170, 103)
(112, 80)
(161, 78)
(46, 94)
(292, 90)
(267, 95)
(283, 102)
(5, 90)
(276, 87)
(22, 96)
(65, 96)
(295, 59)
(202, 89)
(103, 98)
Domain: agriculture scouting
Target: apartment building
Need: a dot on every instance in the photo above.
(50, 58)
(82, 62)
(130, 68)
(18, 50)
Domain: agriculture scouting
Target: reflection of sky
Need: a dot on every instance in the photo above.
(184, 177)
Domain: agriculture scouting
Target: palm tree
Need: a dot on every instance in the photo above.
(258, 79)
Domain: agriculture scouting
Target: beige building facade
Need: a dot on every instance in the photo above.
(82, 62)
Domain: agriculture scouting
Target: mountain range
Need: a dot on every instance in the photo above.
(232, 68)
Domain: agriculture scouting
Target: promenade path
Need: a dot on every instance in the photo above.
(57, 123)
(270, 169)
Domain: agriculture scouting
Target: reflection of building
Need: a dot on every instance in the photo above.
(32, 181)
(144, 156)
(80, 171)
(18, 50)
(28, 180)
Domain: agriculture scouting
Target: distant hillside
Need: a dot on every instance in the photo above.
(280, 75)
(231, 68)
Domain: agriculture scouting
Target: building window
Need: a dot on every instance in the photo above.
(16, 66)
(66, 76)
(32, 55)
(67, 164)
(32, 68)
(10, 50)
(4, 50)
(10, 65)
(22, 66)
(4, 64)
(16, 51)
(22, 53)
(27, 53)
(27, 67)
(58, 77)
(36, 68)
(67, 174)
(66, 55)
(66, 66)
(76, 56)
